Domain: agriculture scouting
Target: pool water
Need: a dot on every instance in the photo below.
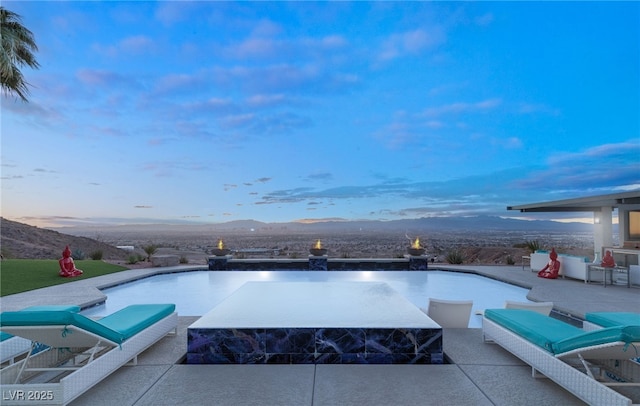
(196, 293)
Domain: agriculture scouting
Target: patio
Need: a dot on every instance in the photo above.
(479, 373)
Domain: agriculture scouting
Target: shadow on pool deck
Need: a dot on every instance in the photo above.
(481, 374)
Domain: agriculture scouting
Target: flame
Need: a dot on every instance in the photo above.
(318, 245)
(416, 243)
(220, 244)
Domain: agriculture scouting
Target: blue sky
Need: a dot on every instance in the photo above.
(281, 111)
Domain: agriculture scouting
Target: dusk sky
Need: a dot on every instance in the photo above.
(282, 111)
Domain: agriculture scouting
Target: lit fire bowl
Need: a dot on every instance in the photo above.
(318, 252)
(416, 252)
(220, 252)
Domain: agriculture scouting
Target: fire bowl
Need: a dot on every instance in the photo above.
(318, 252)
(218, 252)
(415, 251)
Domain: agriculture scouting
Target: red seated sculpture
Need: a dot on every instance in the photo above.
(608, 261)
(550, 271)
(67, 266)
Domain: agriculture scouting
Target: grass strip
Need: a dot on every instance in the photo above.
(22, 275)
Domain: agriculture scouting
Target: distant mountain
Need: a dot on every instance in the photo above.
(420, 225)
(476, 223)
(18, 240)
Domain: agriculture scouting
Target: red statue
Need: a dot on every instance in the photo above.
(67, 267)
(550, 271)
(608, 261)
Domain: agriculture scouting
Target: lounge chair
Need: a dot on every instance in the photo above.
(82, 351)
(540, 307)
(450, 313)
(599, 320)
(564, 353)
(12, 347)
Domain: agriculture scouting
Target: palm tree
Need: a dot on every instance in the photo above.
(150, 250)
(18, 46)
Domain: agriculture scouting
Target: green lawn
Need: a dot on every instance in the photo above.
(21, 275)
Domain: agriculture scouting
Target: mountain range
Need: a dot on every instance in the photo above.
(431, 224)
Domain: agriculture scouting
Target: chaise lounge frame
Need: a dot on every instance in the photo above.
(83, 361)
(12, 348)
(559, 367)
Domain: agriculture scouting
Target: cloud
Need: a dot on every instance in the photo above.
(255, 48)
(172, 168)
(170, 13)
(263, 100)
(179, 83)
(138, 44)
(410, 43)
(463, 107)
(484, 20)
(481, 194)
(266, 124)
(533, 108)
(512, 143)
(309, 49)
(105, 78)
(284, 78)
(266, 27)
(609, 166)
(320, 176)
(34, 109)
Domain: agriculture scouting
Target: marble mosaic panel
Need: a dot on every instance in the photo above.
(218, 263)
(314, 346)
(420, 263)
(318, 263)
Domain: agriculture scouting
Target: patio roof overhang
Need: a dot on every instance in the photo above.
(626, 200)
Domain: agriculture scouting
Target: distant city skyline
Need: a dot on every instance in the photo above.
(211, 112)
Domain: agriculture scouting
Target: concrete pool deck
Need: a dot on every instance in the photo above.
(480, 374)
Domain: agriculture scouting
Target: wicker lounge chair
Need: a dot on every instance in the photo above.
(82, 351)
(566, 354)
(13, 348)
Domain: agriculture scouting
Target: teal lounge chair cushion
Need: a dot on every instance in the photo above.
(116, 327)
(135, 318)
(539, 329)
(69, 308)
(556, 336)
(56, 318)
(625, 334)
(610, 319)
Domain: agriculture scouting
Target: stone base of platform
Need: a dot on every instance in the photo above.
(315, 346)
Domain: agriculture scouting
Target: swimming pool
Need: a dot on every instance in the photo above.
(197, 292)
